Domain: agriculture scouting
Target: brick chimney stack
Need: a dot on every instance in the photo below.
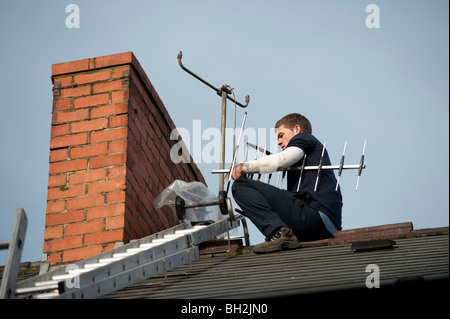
(109, 158)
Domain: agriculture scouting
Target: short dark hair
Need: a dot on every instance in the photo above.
(290, 120)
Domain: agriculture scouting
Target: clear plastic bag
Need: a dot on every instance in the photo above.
(192, 193)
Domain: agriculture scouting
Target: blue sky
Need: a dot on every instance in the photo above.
(386, 85)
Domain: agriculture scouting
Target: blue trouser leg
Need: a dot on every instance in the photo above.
(269, 208)
(258, 201)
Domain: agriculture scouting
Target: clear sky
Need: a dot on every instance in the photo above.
(387, 85)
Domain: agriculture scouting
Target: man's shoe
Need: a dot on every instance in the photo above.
(282, 238)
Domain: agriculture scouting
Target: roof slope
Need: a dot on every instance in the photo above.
(313, 269)
(415, 262)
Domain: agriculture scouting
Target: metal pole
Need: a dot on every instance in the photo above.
(236, 150)
(222, 138)
(306, 168)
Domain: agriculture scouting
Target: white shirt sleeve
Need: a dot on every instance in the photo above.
(274, 162)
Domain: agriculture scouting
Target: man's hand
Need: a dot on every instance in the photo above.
(238, 172)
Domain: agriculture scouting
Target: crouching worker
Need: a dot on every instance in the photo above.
(287, 217)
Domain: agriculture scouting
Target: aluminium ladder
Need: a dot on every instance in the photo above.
(15, 247)
(118, 268)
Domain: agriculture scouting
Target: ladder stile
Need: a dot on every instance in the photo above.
(15, 247)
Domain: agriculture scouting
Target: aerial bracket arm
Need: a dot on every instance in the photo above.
(218, 90)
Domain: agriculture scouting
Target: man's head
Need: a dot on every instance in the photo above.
(291, 125)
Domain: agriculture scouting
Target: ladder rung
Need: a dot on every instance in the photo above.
(79, 271)
(137, 249)
(109, 260)
(173, 236)
(160, 241)
(187, 231)
(63, 277)
(44, 283)
(37, 288)
(94, 265)
(47, 295)
(149, 245)
(123, 255)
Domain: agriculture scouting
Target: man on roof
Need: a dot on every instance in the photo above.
(300, 213)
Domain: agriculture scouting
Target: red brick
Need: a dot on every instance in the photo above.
(105, 211)
(53, 232)
(89, 150)
(68, 140)
(84, 227)
(57, 180)
(108, 135)
(92, 77)
(65, 80)
(116, 172)
(68, 166)
(66, 192)
(149, 151)
(87, 176)
(81, 253)
(107, 160)
(108, 86)
(59, 155)
(74, 91)
(114, 59)
(117, 72)
(54, 258)
(115, 222)
(115, 197)
(117, 146)
(64, 218)
(56, 207)
(61, 105)
(90, 125)
(85, 202)
(106, 186)
(70, 67)
(166, 170)
(119, 96)
(131, 178)
(111, 246)
(120, 120)
(91, 100)
(138, 130)
(58, 130)
(111, 109)
(103, 237)
(70, 116)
